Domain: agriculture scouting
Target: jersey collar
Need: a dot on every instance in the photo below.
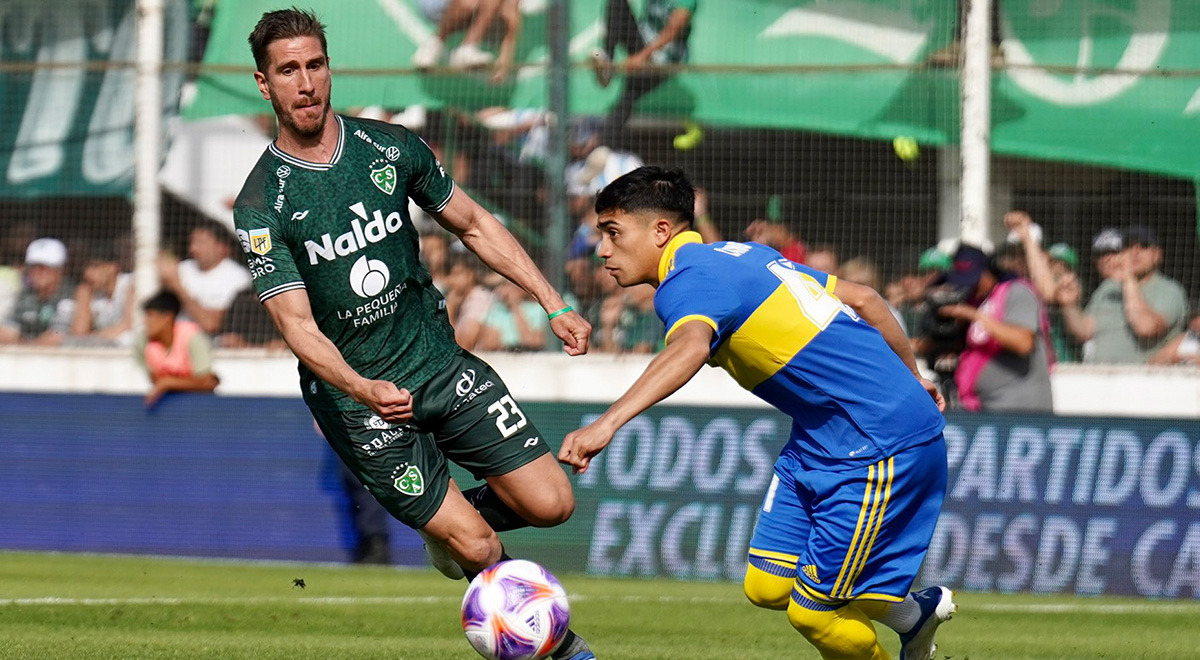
(309, 165)
(666, 263)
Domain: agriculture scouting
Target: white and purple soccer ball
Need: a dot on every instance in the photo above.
(515, 610)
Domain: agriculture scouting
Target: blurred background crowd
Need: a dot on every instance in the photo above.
(1090, 264)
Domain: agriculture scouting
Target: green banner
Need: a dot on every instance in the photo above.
(1137, 103)
(1111, 82)
(70, 117)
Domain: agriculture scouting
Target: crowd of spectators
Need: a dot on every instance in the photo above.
(1025, 299)
(991, 323)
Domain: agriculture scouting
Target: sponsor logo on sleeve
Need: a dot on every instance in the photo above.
(260, 241)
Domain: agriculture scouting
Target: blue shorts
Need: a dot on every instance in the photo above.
(856, 533)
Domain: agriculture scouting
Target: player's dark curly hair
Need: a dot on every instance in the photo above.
(284, 24)
(650, 188)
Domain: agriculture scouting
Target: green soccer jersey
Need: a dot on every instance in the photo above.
(341, 231)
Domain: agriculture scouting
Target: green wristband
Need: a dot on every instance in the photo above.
(560, 312)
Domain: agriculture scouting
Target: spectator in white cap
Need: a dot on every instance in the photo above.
(1106, 246)
(42, 314)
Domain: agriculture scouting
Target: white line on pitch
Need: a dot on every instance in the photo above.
(1096, 608)
(331, 600)
(317, 600)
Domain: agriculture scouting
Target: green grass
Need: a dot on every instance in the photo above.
(133, 607)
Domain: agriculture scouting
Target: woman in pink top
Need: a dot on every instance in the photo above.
(177, 355)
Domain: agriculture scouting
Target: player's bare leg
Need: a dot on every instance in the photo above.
(538, 491)
(458, 530)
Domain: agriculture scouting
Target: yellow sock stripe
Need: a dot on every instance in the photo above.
(772, 567)
(887, 496)
(860, 554)
(858, 529)
(814, 594)
(771, 554)
(880, 597)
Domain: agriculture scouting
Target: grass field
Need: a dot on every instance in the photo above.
(82, 607)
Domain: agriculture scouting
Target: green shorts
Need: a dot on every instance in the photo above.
(464, 413)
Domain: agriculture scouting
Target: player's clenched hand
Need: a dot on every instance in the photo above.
(573, 331)
(934, 392)
(580, 446)
(391, 403)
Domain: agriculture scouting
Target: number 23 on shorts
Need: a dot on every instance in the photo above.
(505, 409)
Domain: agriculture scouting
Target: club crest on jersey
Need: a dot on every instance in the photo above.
(384, 176)
(409, 483)
(260, 241)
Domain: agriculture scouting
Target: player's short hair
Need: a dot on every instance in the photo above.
(163, 301)
(650, 188)
(284, 24)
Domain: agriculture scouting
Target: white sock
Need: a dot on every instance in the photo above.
(902, 616)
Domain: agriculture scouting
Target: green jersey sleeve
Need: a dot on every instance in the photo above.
(267, 252)
(429, 186)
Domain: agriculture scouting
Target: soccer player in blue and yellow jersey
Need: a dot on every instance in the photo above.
(859, 485)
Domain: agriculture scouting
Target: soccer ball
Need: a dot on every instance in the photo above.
(515, 610)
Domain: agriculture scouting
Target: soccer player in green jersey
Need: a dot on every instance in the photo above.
(323, 221)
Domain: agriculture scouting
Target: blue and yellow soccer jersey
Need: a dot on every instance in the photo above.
(783, 335)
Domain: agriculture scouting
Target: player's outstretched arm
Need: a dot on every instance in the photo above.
(483, 234)
(687, 350)
(867, 303)
(293, 317)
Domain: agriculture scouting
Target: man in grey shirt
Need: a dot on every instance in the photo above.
(1006, 364)
(1134, 312)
